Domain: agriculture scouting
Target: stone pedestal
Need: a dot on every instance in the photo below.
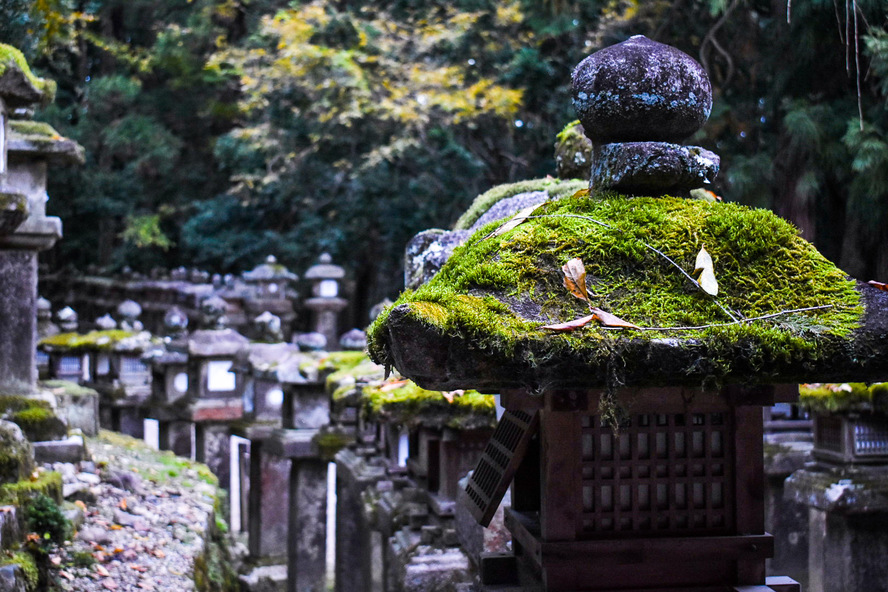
(18, 309)
(848, 525)
(175, 436)
(269, 503)
(785, 518)
(354, 545)
(212, 446)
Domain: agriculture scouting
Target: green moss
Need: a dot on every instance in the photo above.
(28, 565)
(555, 187)
(826, 398)
(48, 483)
(67, 387)
(329, 443)
(409, 404)
(34, 416)
(763, 267)
(341, 360)
(14, 202)
(10, 57)
(343, 383)
(35, 129)
(100, 340)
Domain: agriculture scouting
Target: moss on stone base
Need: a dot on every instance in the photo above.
(48, 483)
(406, 403)
(10, 57)
(28, 565)
(34, 416)
(497, 293)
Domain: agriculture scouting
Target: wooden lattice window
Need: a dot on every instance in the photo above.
(663, 474)
(498, 463)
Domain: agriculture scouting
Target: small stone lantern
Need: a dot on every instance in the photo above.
(270, 291)
(326, 303)
(632, 436)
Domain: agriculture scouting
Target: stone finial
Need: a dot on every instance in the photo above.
(67, 319)
(354, 340)
(268, 328)
(105, 323)
(44, 309)
(175, 322)
(212, 312)
(129, 312)
(636, 100)
(313, 341)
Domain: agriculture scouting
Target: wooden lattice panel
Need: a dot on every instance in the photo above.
(498, 463)
(664, 474)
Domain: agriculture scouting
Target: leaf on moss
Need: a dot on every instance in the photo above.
(571, 325)
(575, 278)
(609, 320)
(706, 270)
(451, 395)
(878, 285)
(515, 221)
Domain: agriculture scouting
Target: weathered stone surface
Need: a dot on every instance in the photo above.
(573, 152)
(653, 168)
(427, 252)
(307, 531)
(12, 579)
(16, 453)
(641, 90)
(216, 342)
(14, 208)
(266, 578)
(18, 311)
(69, 450)
(508, 207)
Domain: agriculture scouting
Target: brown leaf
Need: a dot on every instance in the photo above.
(878, 285)
(109, 584)
(122, 504)
(515, 221)
(390, 386)
(65, 575)
(575, 278)
(571, 325)
(609, 320)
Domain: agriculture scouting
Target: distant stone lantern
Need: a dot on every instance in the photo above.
(632, 436)
(326, 303)
(270, 279)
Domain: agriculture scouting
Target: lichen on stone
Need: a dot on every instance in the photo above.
(497, 293)
(573, 152)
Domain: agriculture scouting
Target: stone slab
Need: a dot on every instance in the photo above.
(69, 450)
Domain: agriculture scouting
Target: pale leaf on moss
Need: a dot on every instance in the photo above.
(706, 270)
(515, 221)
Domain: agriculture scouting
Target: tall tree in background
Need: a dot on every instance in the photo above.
(219, 131)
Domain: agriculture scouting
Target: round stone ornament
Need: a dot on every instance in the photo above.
(641, 90)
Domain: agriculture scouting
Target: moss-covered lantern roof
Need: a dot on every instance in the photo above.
(35, 138)
(19, 87)
(600, 289)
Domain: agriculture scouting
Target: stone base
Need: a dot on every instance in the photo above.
(267, 578)
(652, 168)
(69, 450)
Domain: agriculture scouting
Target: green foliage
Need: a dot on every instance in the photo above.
(144, 231)
(46, 519)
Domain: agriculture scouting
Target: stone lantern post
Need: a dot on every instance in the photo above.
(326, 303)
(634, 336)
(27, 150)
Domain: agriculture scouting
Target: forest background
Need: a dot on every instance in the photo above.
(219, 131)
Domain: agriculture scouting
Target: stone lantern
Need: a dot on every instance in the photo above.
(269, 290)
(633, 392)
(169, 385)
(325, 303)
(27, 150)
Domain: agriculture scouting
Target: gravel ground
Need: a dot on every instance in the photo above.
(145, 519)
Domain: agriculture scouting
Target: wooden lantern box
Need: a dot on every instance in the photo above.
(851, 438)
(675, 496)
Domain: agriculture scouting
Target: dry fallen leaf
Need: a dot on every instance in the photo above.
(122, 504)
(116, 527)
(450, 396)
(575, 278)
(65, 575)
(515, 221)
(109, 584)
(102, 571)
(609, 320)
(571, 325)
(878, 285)
(706, 269)
(390, 386)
